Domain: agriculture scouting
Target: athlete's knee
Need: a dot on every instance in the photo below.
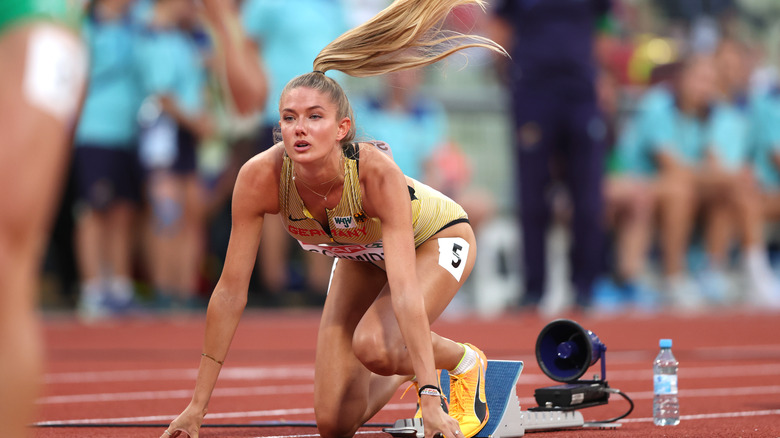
(19, 240)
(330, 423)
(376, 353)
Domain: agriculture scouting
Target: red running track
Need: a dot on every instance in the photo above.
(141, 371)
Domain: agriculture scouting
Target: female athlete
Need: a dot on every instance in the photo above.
(402, 249)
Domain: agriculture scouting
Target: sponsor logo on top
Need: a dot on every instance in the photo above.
(344, 222)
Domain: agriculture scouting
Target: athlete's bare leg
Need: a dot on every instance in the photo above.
(40, 89)
(361, 358)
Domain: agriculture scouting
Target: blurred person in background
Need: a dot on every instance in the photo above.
(730, 192)
(450, 170)
(286, 42)
(630, 207)
(416, 129)
(767, 160)
(41, 87)
(232, 59)
(414, 126)
(766, 105)
(559, 130)
(174, 120)
(105, 164)
(663, 144)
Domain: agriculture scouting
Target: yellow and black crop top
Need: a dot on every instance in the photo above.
(350, 233)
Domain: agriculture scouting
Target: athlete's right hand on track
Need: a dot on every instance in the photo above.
(436, 421)
(187, 424)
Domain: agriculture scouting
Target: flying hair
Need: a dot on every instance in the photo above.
(405, 35)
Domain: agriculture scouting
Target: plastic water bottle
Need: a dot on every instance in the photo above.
(666, 407)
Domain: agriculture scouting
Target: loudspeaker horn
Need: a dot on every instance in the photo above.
(565, 351)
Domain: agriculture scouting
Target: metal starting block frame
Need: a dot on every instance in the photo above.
(506, 418)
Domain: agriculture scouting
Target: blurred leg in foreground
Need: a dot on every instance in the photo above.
(40, 91)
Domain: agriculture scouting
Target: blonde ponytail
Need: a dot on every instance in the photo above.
(405, 35)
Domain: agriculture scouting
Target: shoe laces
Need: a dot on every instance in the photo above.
(456, 395)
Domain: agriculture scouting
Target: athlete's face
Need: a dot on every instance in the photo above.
(310, 125)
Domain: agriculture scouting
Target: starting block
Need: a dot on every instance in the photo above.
(506, 418)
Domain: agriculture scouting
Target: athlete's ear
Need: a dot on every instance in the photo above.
(344, 125)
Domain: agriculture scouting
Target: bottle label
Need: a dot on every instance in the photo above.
(665, 384)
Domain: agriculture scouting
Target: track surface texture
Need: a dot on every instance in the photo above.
(140, 371)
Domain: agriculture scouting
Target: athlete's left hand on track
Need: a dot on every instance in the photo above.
(187, 424)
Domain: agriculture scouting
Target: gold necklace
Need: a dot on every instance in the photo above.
(332, 182)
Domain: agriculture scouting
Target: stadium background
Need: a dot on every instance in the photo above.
(120, 367)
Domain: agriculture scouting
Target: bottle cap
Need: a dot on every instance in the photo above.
(665, 343)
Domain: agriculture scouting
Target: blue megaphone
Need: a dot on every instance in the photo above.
(565, 351)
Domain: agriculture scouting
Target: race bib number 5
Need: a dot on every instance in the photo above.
(453, 254)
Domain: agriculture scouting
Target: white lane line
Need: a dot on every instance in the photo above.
(229, 373)
(175, 394)
(706, 371)
(524, 401)
(307, 372)
(710, 416)
(410, 406)
(309, 389)
(686, 373)
(758, 347)
(210, 416)
(713, 392)
(689, 393)
(167, 418)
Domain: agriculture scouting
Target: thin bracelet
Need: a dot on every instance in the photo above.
(212, 358)
(429, 390)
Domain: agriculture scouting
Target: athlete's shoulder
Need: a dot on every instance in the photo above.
(375, 158)
(274, 154)
(380, 178)
(366, 150)
(263, 166)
